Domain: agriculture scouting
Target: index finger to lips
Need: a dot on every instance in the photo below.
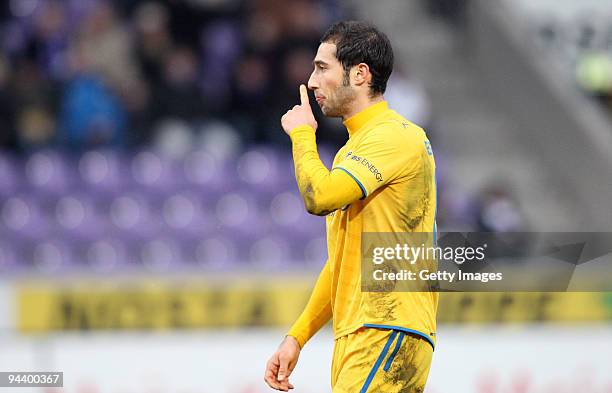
(304, 95)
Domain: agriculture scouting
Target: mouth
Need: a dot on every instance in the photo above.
(319, 100)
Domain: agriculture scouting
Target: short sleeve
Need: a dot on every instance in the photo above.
(381, 156)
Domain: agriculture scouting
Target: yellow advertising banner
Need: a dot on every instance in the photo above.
(158, 305)
(163, 305)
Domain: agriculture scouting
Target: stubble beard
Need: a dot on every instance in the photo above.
(338, 104)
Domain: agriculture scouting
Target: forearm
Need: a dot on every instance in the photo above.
(317, 312)
(323, 191)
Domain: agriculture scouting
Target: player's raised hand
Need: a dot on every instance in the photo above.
(281, 365)
(300, 114)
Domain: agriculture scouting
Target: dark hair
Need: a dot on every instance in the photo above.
(359, 42)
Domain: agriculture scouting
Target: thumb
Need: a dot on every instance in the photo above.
(283, 370)
(304, 96)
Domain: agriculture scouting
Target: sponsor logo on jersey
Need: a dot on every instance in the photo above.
(364, 161)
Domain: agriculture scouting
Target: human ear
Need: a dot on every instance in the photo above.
(361, 74)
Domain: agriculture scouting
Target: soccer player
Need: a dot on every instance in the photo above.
(382, 180)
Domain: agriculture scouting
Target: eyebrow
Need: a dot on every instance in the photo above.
(319, 63)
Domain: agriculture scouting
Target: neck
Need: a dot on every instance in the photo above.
(360, 104)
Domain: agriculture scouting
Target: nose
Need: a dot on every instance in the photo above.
(312, 83)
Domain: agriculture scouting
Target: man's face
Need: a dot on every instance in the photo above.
(331, 87)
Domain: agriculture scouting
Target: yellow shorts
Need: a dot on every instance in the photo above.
(380, 361)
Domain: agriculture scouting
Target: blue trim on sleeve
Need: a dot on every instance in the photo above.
(381, 357)
(363, 190)
(402, 329)
(398, 344)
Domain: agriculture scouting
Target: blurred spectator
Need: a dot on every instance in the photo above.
(8, 137)
(178, 94)
(91, 115)
(49, 40)
(221, 47)
(498, 211)
(295, 67)
(35, 98)
(252, 82)
(302, 19)
(263, 30)
(36, 127)
(153, 41)
(100, 72)
(105, 48)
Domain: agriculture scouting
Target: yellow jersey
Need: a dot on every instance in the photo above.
(391, 160)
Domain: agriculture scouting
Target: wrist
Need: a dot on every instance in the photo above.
(294, 339)
(303, 134)
(302, 128)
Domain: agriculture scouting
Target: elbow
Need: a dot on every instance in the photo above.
(317, 206)
(316, 211)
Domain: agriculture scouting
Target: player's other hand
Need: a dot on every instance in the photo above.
(300, 114)
(281, 364)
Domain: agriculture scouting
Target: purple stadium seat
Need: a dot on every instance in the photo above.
(304, 247)
(217, 252)
(8, 253)
(18, 252)
(51, 256)
(77, 218)
(160, 254)
(24, 216)
(309, 224)
(106, 212)
(105, 254)
(314, 251)
(185, 216)
(202, 170)
(133, 218)
(240, 213)
(270, 251)
(104, 172)
(156, 173)
(285, 209)
(50, 173)
(264, 169)
(10, 176)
